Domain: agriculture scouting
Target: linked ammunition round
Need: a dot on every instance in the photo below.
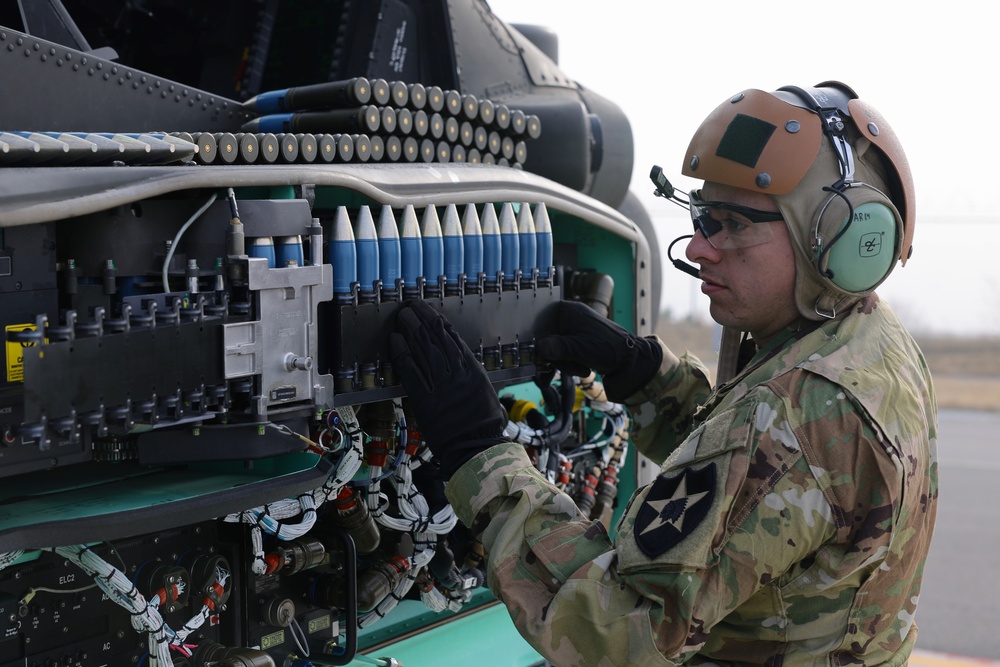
(393, 148)
(421, 123)
(435, 98)
(486, 111)
(453, 102)
(399, 93)
(326, 147)
(427, 150)
(249, 147)
(534, 126)
(470, 107)
(451, 129)
(411, 149)
(520, 152)
(507, 147)
(345, 148)
(362, 147)
(378, 148)
(380, 92)
(208, 147)
(404, 121)
(436, 125)
(518, 121)
(501, 118)
(268, 147)
(308, 149)
(388, 119)
(466, 133)
(289, 147)
(443, 153)
(229, 147)
(418, 95)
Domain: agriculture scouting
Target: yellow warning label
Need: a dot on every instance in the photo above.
(15, 352)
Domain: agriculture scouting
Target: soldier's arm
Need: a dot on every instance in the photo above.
(578, 597)
(662, 412)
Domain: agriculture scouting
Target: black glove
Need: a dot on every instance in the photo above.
(585, 340)
(451, 397)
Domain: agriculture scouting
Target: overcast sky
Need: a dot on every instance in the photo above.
(929, 69)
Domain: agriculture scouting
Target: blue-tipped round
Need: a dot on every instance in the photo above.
(509, 246)
(430, 231)
(543, 233)
(263, 247)
(272, 101)
(343, 253)
(526, 241)
(472, 237)
(492, 252)
(288, 251)
(390, 266)
(454, 249)
(274, 123)
(411, 248)
(366, 241)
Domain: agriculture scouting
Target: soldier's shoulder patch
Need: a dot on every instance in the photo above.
(673, 508)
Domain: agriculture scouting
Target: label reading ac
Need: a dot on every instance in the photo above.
(15, 352)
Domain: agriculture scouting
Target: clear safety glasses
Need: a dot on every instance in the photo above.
(727, 225)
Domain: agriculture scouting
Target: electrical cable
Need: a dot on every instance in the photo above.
(177, 238)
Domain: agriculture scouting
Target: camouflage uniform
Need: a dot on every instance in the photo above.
(788, 525)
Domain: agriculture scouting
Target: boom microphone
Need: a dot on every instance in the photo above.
(679, 264)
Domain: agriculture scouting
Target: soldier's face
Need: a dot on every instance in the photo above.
(753, 288)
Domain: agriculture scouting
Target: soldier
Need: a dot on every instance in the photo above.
(792, 513)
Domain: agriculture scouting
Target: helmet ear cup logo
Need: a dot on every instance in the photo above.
(865, 252)
(870, 245)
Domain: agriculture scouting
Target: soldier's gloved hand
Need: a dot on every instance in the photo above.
(584, 340)
(451, 397)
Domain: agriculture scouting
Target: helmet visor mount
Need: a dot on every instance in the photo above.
(726, 226)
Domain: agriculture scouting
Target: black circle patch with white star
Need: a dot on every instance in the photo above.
(673, 508)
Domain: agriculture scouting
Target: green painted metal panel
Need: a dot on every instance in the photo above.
(330, 198)
(484, 638)
(605, 252)
(266, 192)
(609, 253)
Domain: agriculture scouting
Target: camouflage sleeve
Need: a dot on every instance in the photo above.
(553, 569)
(662, 412)
(736, 512)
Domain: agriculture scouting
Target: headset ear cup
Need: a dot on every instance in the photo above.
(863, 250)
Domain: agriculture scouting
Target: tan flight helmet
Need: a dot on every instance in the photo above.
(837, 173)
